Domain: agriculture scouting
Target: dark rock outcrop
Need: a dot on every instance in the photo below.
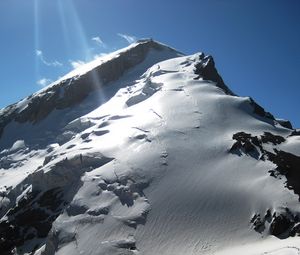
(296, 132)
(32, 216)
(260, 111)
(288, 165)
(206, 69)
(258, 223)
(253, 145)
(285, 123)
(281, 225)
(284, 224)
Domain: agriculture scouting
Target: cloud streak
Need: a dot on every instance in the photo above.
(98, 41)
(43, 82)
(76, 63)
(128, 38)
(100, 55)
(41, 57)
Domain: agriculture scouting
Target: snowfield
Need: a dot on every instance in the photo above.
(165, 159)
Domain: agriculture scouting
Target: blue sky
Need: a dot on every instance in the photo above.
(255, 44)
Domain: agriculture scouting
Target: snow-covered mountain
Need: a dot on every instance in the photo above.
(147, 151)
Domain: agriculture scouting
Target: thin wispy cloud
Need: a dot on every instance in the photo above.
(100, 55)
(128, 38)
(40, 55)
(43, 82)
(98, 41)
(76, 63)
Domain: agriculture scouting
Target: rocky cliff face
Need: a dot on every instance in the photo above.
(146, 152)
(72, 91)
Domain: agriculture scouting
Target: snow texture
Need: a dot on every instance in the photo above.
(163, 159)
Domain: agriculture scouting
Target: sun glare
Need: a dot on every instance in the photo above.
(36, 38)
(82, 38)
(72, 28)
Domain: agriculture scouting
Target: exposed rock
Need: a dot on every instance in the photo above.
(288, 165)
(127, 244)
(284, 224)
(268, 216)
(206, 69)
(258, 223)
(285, 123)
(268, 137)
(254, 144)
(70, 92)
(7, 115)
(246, 142)
(33, 215)
(260, 110)
(296, 132)
(296, 229)
(280, 225)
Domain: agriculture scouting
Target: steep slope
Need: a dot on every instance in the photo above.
(162, 158)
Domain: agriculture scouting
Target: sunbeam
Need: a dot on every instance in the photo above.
(72, 28)
(36, 38)
(65, 29)
(82, 38)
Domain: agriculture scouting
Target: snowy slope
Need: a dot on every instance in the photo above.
(163, 159)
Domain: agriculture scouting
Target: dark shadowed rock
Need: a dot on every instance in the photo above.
(268, 137)
(296, 132)
(258, 223)
(285, 123)
(32, 216)
(260, 110)
(288, 165)
(296, 229)
(247, 144)
(207, 70)
(280, 225)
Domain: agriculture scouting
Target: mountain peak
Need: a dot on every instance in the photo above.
(74, 87)
(146, 151)
(132, 55)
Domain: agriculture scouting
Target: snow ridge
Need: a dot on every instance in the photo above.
(162, 158)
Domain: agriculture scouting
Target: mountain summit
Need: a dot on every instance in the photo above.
(147, 151)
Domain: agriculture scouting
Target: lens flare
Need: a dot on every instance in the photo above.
(65, 30)
(67, 6)
(36, 38)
